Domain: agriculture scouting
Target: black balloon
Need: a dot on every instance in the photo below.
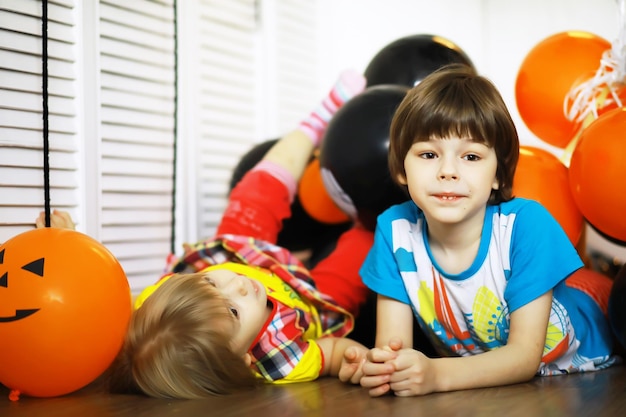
(355, 149)
(300, 231)
(406, 61)
(249, 160)
(607, 236)
(617, 306)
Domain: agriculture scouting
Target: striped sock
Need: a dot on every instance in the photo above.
(350, 84)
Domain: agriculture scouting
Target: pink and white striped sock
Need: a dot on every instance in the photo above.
(349, 84)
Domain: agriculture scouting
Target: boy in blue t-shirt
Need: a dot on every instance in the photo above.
(493, 280)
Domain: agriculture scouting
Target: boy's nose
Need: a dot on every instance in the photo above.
(447, 170)
(448, 176)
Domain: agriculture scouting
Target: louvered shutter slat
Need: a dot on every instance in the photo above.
(21, 123)
(137, 115)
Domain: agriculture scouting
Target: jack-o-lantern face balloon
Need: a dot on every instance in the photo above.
(35, 267)
(65, 304)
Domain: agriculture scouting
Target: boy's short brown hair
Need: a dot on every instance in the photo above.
(455, 101)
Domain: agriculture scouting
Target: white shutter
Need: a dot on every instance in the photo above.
(296, 57)
(21, 110)
(137, 126)
(257, 80)
(227, 69)
(242, 80)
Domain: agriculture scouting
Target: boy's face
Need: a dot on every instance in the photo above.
(451, 179)
(247, 303)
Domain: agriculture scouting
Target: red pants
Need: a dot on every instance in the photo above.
(257, 207)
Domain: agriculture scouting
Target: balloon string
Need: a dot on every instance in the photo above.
(175, 133)
(571, 146)
(603, 89)
(46, 128)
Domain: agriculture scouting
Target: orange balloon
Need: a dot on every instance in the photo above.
(546, 76)
(597, 173)
(314, 198)
(540, 176)
(65, 304)
(612, 104)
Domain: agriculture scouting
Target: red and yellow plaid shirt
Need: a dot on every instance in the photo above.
(283, 341)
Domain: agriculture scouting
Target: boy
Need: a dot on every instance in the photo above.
(490, 278)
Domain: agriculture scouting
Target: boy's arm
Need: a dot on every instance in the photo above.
(394, 330)
(517, 361)
(394, 319)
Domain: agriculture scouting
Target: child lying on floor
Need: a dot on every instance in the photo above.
(237, 310)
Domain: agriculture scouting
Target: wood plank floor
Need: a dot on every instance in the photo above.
(592, 394)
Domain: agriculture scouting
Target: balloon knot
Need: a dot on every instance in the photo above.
(14, 395)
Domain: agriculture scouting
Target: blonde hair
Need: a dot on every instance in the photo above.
(177, 345)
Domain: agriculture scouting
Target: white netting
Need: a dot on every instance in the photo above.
(603, 89)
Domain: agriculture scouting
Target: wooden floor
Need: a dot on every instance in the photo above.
(592, 394)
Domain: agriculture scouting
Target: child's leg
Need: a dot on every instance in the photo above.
(338, 274)
(262, 199)
(256, 207)
(594, 284)
(595, 292)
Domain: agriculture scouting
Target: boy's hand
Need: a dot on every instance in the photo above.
(379, 367)
(414, 374)
(352, 364)
(59, 219)
(405, 372)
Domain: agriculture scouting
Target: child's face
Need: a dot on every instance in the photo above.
(451, 179)
(247, 303)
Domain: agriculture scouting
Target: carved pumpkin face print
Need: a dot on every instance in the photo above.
(35, 267)
(65, 304)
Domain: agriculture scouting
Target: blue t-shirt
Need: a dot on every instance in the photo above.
(523, 253)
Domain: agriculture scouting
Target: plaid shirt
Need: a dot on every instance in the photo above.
(287, 335)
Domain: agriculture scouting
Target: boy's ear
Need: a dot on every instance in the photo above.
(401, 179)
(247, 358)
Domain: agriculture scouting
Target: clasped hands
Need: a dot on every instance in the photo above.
(405, 372)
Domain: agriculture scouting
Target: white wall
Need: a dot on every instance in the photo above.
(496, 35)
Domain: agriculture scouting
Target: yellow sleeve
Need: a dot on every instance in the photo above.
(309, 367)
(147, 292)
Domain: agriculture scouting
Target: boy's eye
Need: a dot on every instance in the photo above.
(472, 157)
(233, 311)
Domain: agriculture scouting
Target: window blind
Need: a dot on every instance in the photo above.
(258, 74)
(246, 75)
(295, 70)
(21, 109)
(137, 76)
(228, 65)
